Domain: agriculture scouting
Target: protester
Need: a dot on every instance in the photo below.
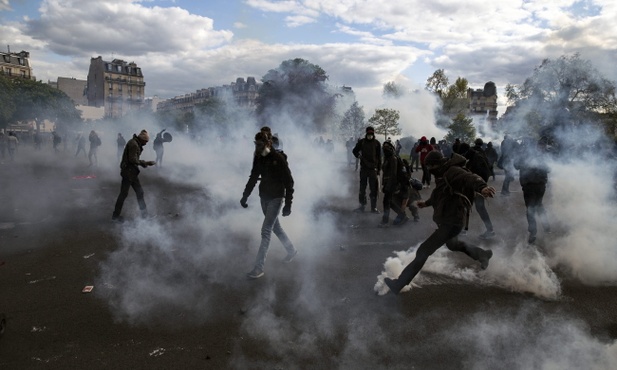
(492, 156)
(423, 149)
(95, 142)
(129, 170)
(12, 144)
(394, 180)
(451, 200)
(81, 144)
(478, 163)
(533, 177)
(414, 156)
(276, 186)
(158, 148)
(368, 150)
(508, 151)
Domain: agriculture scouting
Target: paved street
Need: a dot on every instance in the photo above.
(171, 292)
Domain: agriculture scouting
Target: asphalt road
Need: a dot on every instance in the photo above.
(171, 292)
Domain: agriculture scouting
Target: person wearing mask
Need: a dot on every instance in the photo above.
(423, 149)
(275, 188)
(129, 170)
(451, 200)
(368, 150)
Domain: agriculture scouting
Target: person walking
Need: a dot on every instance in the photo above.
(478, 163)
(533, 176)
(415, 156)
(276, 186)
(158, 148)
(95, 142)
(508, 151)
(394, 180)
(129, 170)
(12, 144)
(451, 199)
(492, 156)
(423, 149)
(81, 144)
(368, 150)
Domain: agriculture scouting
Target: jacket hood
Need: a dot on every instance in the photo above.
(455, 160)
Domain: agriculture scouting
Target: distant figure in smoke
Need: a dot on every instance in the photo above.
(56, 140)
(492, 156)
(456, 146)
(415, 156)
(120, 142)
(276, 185)
(533, 177)
(451, 200)
(398, 147)
(349, 144)
(423, 149)
(129, 170)
(12, 144)
(95, 142)
(508, 151)
(158, 147)
(3, 143)
(37, 141)
(81, 144)
(368, 150)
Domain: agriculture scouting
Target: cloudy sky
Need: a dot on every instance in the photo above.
(184, 45)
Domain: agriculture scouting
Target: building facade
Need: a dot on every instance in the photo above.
(16, 65)
(117, 86)
(483, 103)
(244, 94)
(74, 88)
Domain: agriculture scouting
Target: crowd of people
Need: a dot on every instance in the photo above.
(461, 173)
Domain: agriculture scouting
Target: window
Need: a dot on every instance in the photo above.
(108, 66)
(110, 86)
(23, 74)
(119, 68)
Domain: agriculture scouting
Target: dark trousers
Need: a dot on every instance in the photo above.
(124, 192)
(481, 208)
(445, 234)
(368, 177)
(533, 194)
(390, 201)
(415, 160)
(426, 175)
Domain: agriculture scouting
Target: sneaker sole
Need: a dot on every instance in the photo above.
(289, 259)
(254, 276)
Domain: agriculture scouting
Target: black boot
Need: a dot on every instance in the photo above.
(393, 284)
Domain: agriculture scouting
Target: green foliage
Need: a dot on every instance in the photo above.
(567, 91)
(453, 97)
(461, 128)
(385, 121)
(353, 123)
(29, 100)
(438, 83)
(296, 89)
(392, 90)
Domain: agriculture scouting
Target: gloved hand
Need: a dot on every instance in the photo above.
(287, 210)
(243, 202)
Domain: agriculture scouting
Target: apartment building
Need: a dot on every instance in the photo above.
(483, 103)
(117, 86)
(16, 65)
(244, 93)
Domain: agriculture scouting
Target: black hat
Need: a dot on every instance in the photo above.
(478, 142)
(370, 130)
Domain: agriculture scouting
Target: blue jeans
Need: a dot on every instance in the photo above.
(271, 209)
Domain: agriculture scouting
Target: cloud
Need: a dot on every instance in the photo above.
(78, 28)
(5, 5)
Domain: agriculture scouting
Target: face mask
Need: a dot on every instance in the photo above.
(370, 137)
(265, 152)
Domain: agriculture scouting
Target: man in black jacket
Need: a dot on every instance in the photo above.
(276, 185)
(451, 199)
(478, 164)
(533, 177)
(129, 170)
(368, 150)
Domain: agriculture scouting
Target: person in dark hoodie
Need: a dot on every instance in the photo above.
(533, 176)
(129, 170)
(478, 164)
(451, 200)
(394, 180)
(368, 150)
(276, 186)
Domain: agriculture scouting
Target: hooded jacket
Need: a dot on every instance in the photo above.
(276, 178)
(369, 152)
(130, 158)
(454, 192)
